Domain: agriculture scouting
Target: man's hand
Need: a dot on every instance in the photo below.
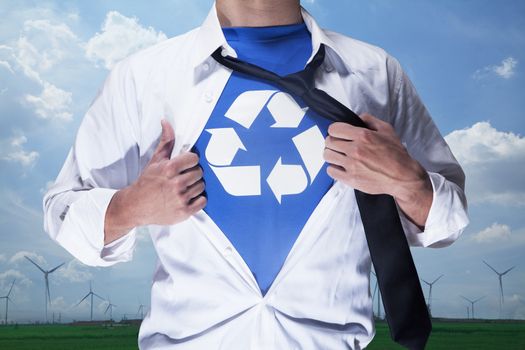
(374, 161)
(167, 192)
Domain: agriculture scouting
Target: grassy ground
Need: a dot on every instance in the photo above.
(445, 335)
(461, 335)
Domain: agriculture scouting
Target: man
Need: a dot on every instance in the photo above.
(259, 240)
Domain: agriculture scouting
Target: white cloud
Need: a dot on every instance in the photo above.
(505, 70)
(7, 277)
(20, 257)
(52, 103)
(119, 37)
(73, 16)
(13, 151)
(46, 187)
(7, 66)
(495, 232)
(43, 44)
(2, 258)
(494, 164)
(74, 271)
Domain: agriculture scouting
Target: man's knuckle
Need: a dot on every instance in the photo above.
(326, 154)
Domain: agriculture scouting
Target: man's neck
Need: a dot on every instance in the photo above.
(258, 13)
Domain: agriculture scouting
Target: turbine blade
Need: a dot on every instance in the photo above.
(467, 299)
(426, 282)
(105, 312)
(84, 298)
(493, 269)
(478, 299)
(437, 279)
(508, 270)
(34, 263)
(53, 270)
(10, 289)
(98, 296)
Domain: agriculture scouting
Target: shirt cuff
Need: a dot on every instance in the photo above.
(82, 232)
(446, 219)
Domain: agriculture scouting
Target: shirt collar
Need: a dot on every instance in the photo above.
(210, 37)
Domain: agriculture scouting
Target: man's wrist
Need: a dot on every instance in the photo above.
(119, 219)
(415, 187)
(414, 197)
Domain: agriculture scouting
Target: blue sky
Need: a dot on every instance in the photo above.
(464, 57)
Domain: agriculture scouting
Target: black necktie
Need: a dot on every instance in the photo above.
(405, 308)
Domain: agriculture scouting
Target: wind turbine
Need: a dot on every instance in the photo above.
(500, 275)
(378, 297)
(7, 299)
(472, 302)
(46, 273)
(141, 311)
(430, 284)
(110, 308)
(91, 294)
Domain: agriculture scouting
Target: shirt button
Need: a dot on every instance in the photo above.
(208, 96)
(224, 53)
(228, 251)
(328, 68)
(206, 66)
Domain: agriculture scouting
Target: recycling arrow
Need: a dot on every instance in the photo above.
(223, 146)
(239, 180)
(286, 112)
(247, 106)
(286, 179)
(310, 144)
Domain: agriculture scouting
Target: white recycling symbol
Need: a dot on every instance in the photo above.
(284, 179)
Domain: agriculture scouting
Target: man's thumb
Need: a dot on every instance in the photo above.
(166, 143)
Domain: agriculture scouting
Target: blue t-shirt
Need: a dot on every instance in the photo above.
(261, 152)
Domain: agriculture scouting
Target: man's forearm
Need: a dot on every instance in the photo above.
(119, 218)
(415, 199)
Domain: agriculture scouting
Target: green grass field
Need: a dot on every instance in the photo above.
(445, 335)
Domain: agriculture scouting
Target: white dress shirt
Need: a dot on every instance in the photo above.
(203, 294)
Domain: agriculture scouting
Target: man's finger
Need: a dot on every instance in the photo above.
(344, 131)
(166, 142)
(372, 122)
(333, 157)
(195, 190)
(190, 176)
(182, 163)
(338, 145)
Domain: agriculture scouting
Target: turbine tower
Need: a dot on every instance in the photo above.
(500, 275)
(91, 294)
(141, 311)
(430, 284)
(472, 302)
(47, 295)
(8, 299)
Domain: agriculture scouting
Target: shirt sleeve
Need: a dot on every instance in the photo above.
(103, 159)
(448, 215)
